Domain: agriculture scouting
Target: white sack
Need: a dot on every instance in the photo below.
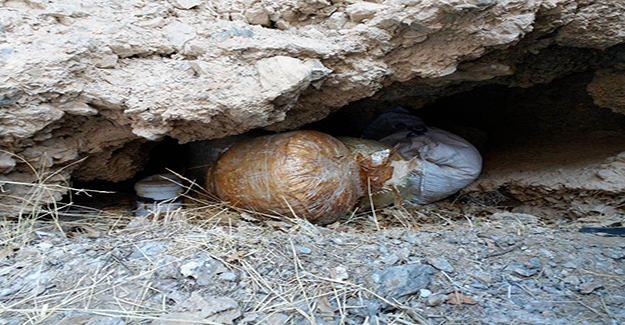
(448, 162)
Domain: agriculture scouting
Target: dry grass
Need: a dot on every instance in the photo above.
(302, 292)
(262, 246)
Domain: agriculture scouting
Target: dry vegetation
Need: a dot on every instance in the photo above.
(63, 263)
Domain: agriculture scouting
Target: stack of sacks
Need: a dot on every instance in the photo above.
(315, 176)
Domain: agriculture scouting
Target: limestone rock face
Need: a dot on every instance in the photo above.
(86, 85)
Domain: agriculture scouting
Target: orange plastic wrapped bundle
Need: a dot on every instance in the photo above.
(383, 171)
(306, 173)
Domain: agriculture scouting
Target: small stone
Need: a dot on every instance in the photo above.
(220, 310)
(482, 277)
(413, 239)
(390, 259)
(202, 269)
(303, 249)
(6, 163)
(521, 270)
(148, 249)
(178, 319)
(339, 273)
(282, 25)
(616, 254)
(178, 33)
(228, 276)
(106, 61)
(441, 264)
(78, 108)
(572, 280)
(44, 246)
(534, 262)
(402, 253)
(549, 254)
(276, 319)
(435, 300)
(337, 20)
(570, 265)
(400, 281)
(337, 241)
(362, 10)
(257, 16)
(589, 287)
(424, 293)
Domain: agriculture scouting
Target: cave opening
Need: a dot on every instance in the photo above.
(540, 144)
(164, 156)
(545, 146)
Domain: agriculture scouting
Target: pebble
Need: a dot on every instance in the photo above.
(424, 293)
(441, 264)
(615, 254)
(482, 277)
(572, 280)
(202, 269)
(390, 259)
(569, 265)
(435, 300)
(399, 281)
(303, 249)
(549, 254)
(589, 287)
(44, 246)
(228, 276)
(277, 319)
(403, 253)
(522, 270)
(148, 249)
(413, 239)
(534, 262)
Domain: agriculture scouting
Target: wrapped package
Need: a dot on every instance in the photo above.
(384, 172)
(448, 162)
(306, 173)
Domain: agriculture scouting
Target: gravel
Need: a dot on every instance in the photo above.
(497, 271)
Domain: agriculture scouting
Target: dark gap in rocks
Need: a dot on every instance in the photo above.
(544, 145)
(272, 25)
(165, 155)
(166, 55)
(534, 142)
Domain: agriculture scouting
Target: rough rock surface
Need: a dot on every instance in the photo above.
(608, 89)
(85, 86)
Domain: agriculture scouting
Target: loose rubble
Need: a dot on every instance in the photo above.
(497, 269)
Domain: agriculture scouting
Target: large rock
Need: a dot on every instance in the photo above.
(86, 85)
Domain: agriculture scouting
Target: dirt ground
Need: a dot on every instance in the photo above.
(428, 265)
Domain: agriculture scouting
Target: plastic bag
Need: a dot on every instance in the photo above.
(306, 173)
(383, 171)
(448, 162)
